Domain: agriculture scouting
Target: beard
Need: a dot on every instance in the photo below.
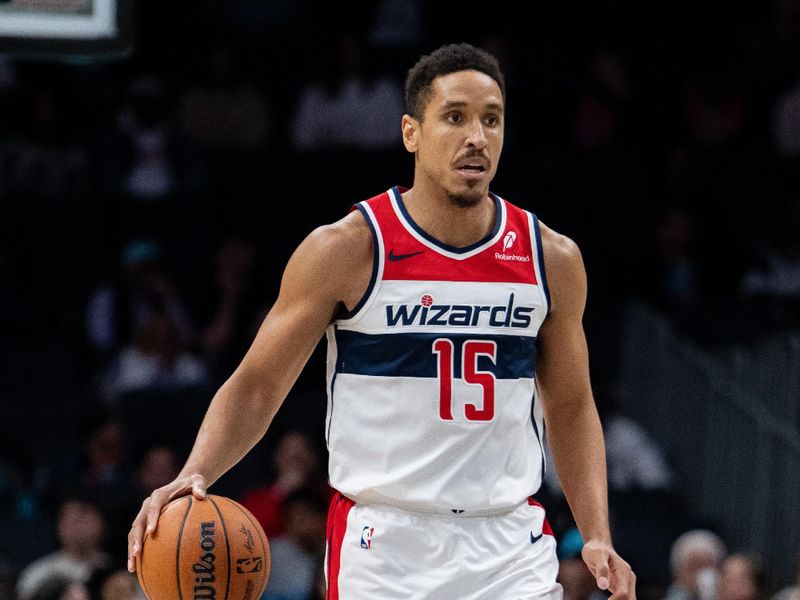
(465, 199)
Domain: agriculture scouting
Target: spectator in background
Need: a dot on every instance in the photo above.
(297, 554)
(598, 115)
(156, 361)
(715, 109)
(669, 273)
(696, 558)
(61, 588)
(145, 124)
(786, 122)
(778, 276)
(145, 164)
(26, 533)
(120, 585)
(103, 472)
(80, 532)
(348, 106)
(296, 466)
(226, 118)
(573, 575)
(145, 288)
(793, 591)
(42, 164)
(225, 112)
(635, 461)
(743, 578)
(158, 465)
(227, 334)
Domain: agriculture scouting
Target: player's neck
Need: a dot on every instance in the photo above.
(439, 217)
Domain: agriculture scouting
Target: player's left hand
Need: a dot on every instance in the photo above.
(611, 572)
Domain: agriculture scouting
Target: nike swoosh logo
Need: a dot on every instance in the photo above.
(393, 256)
(535, 538)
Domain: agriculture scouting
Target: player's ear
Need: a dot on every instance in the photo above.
(410, 132)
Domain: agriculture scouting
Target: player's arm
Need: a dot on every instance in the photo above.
(574, 433)
(323, 273)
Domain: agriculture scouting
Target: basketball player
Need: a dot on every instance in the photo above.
(454, 331)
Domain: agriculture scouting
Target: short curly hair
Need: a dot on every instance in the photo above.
(447, 59)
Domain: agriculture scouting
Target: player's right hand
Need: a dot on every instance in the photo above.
(147, 519)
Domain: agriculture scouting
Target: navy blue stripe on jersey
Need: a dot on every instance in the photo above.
(330, 396)
(540, 254)
(375, 263)
(442, 245)
(411, 354)
(536, 430)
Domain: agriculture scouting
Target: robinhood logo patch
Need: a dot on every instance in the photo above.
(508, 242)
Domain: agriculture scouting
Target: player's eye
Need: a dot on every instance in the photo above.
(454, 117)
(492, 120)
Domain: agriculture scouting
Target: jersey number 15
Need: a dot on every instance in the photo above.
(470, 351)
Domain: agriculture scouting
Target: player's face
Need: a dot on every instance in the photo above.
(459, 140)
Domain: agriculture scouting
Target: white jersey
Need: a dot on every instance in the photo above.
(432, 400)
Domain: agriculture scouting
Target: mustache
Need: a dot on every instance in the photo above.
(473, 154)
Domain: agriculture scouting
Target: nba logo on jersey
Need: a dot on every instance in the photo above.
(366, 537)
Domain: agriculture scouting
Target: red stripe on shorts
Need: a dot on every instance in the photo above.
(546, 529)
(337, 526)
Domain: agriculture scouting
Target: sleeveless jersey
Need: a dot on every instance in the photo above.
(432, 401)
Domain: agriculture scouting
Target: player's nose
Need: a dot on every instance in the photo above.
(476, 136)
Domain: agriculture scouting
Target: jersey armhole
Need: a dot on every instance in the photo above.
(538, 263)
(377, 263)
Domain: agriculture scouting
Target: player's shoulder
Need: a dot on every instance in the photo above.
(563, 265)
(559, 249)
(331, 258)
(348, 235)
(334, 251)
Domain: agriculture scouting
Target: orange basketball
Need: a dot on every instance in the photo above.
(201, 549)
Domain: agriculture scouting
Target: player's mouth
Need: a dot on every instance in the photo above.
(472, 168)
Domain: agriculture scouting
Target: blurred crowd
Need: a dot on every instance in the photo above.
(148, 205)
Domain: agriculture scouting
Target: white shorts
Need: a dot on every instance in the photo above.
(378, 552)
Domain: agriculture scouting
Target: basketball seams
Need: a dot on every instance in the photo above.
(261, 538)
(178, 550)
(227, 546)
(179, 528)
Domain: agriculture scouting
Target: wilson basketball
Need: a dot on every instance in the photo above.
(212, 548)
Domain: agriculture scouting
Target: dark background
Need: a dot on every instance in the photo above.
(663, 138)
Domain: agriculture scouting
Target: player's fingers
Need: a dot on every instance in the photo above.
(157, 501)
(199, 486)
(623, 581)
(135, 536)
(602, 572)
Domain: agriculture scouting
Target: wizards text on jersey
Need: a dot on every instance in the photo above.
(459, 315)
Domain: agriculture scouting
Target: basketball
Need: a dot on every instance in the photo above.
(212, 548)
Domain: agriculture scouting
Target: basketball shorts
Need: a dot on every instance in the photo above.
(378, 552)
